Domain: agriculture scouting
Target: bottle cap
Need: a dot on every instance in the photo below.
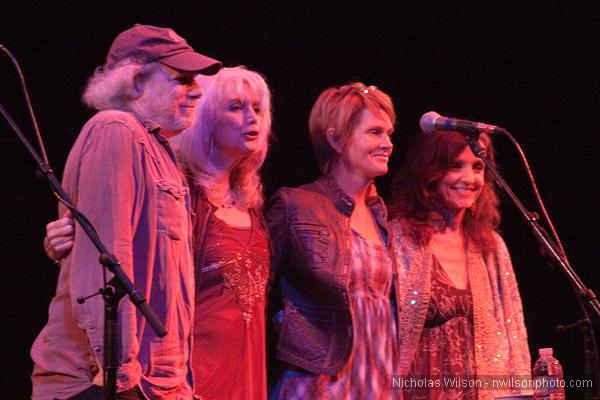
(545, 352)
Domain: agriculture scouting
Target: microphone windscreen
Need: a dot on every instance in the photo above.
(427, 122)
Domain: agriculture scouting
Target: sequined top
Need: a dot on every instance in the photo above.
(446, 349)
(228, 356)
(500, 338)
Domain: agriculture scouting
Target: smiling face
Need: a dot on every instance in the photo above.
(169, 98)
(463, 183)
(334, 118)
(238, 123)
(369, 146)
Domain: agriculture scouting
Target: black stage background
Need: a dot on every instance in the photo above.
(527, 68)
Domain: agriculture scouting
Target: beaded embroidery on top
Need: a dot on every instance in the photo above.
(246, 279)
(248, 283)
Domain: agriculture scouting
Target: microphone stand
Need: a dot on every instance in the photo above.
(113, 290)
(585, 296)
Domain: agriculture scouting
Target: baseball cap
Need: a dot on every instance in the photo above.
(147, 43)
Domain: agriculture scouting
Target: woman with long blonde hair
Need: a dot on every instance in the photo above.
(221, 155)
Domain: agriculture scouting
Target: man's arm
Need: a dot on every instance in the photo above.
(106, 179)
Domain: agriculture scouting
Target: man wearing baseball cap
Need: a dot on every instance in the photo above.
(122, 174)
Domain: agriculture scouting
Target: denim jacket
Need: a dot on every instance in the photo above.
(311, 237)
(122, 173)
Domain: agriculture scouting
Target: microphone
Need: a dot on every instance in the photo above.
(431, 122)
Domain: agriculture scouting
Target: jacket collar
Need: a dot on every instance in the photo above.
(342, 200)
(345, 203)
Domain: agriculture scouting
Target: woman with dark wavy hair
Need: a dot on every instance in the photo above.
(460, 308)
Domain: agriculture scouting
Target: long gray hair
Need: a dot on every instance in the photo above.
(114, 88)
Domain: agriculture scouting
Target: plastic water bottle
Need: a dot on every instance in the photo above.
(548, 378)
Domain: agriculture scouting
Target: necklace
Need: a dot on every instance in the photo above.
(226, 200)
(229, 204)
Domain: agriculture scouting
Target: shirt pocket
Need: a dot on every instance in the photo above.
(172, 211)
(314, 244)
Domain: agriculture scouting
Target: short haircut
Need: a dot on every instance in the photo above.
(339, 108)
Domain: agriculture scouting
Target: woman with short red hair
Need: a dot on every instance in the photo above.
(332, 258)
